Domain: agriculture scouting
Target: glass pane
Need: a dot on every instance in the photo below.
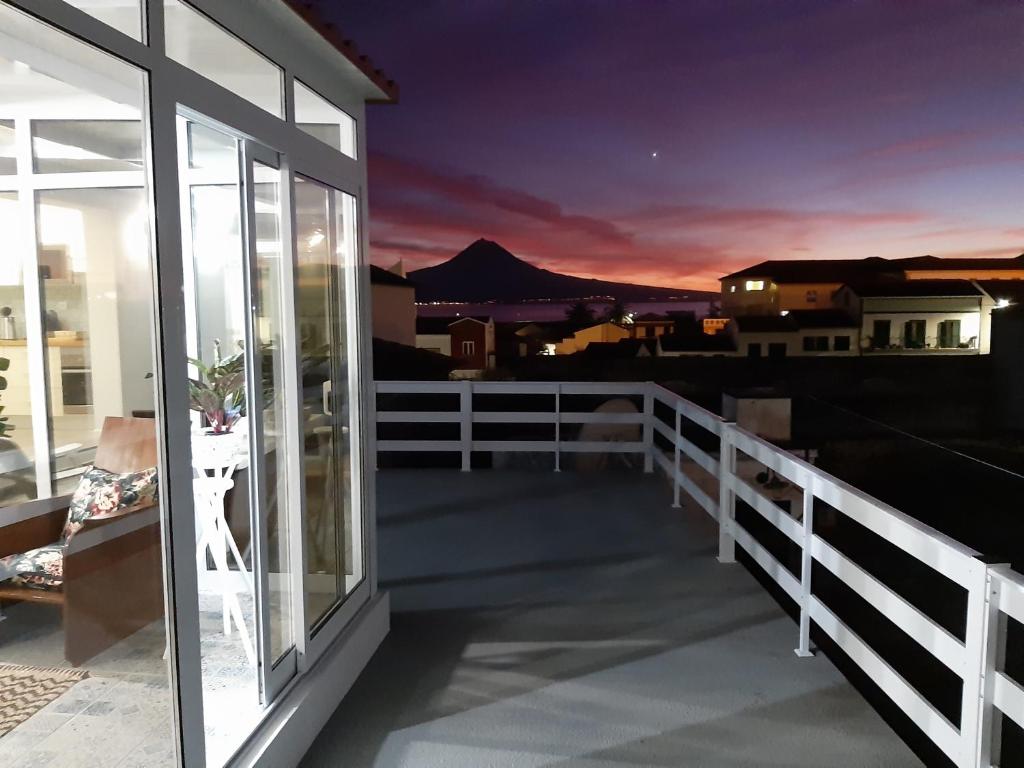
(198, 43)
(97, 310)
(17, 464)
(270, 332)
(92, 591)
(215, 269)
(321, 119)
(122, 15)
(334, 562)
(64, 146)
(8, 160)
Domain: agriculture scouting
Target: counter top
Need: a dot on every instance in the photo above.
(50, 342)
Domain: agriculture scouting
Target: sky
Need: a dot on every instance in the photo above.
(669, 142)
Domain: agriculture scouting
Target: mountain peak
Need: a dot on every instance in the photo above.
(485, 271)
(485, 250)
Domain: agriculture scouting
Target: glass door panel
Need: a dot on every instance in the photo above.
(270, 420)
(322, 293)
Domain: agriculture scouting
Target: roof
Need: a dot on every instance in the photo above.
(917, 289)
(818, 270)
(850, 270)
(440, 325)
(616, 350)
(765, 323)
(935, 262)
(1004, 289)
(696, 342)
(314, 17)
(381, 276)
(822, 318)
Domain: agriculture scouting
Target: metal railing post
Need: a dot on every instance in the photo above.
(726, 497)
(990, 644)
(558, 427)
(466, 423)
(648, 433)
(675, 462)
(804, 649)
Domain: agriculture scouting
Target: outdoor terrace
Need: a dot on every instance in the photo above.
(583, 618)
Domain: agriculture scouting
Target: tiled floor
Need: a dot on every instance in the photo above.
(120, 716)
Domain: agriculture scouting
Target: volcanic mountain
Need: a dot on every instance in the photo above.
(487, 272)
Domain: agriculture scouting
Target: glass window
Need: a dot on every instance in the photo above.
(842, 344)
(754, 285)
(66, 146)
(324, 121)
(122, 15)
(90, 315)
(17, 450)
(8, 160)
(326, 257)
(200, 44)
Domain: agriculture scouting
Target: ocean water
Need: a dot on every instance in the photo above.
(554, 310)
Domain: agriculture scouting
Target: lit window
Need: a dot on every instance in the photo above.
(324, 121)
(754, 285)
(468, 348)
(732, 289)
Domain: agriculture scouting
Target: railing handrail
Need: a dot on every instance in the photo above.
(994, 592)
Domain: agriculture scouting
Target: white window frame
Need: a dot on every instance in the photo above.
(468, 348)
(170, 89)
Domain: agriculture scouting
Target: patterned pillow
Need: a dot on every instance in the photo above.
(41, 568)
(103, 494)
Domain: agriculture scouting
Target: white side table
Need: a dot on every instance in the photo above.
(215, 458)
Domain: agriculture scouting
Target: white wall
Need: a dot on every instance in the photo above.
(438, 341)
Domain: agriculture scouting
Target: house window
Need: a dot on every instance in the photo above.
(468, 348)
(754, 285)
(881, 334)
(777, 349)
(815, 343)
(841, 344)
(812, 297)
(732, 289)
(754, 350)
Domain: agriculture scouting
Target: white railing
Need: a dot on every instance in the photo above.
(994, 592)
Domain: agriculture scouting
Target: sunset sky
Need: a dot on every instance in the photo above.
(669, 142)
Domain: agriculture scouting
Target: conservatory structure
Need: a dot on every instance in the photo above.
(187, 573)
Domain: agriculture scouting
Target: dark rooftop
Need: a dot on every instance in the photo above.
(381, 276)
(765, 323)
(917, 288)
(697, 342)
(859, 270)
(822, 318)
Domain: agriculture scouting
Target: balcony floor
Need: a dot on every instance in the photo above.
(546, 619)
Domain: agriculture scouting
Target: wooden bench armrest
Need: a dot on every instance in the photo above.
(32, 524)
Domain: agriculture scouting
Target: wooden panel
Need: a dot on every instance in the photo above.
(111, 591)
(126, 444)
(33, 532)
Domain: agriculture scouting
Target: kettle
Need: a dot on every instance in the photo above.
(8, 328)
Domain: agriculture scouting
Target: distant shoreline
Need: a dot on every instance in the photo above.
(548, 310)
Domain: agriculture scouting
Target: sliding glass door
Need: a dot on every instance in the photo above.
(324, 276)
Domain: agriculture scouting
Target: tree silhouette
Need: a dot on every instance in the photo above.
(580, 314)
(616, 313)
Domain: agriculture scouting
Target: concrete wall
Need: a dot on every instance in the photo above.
(582, 338)
(435, 342)
(394, 313)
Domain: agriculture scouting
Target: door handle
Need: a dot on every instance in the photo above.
(327, 387)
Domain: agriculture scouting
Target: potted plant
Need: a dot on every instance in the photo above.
(5, 427)
(219, 392)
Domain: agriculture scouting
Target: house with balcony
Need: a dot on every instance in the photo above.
(779, 285)
(921, 316)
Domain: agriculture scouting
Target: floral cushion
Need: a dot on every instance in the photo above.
(41, 568)
(99, 494)
(103, 494)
